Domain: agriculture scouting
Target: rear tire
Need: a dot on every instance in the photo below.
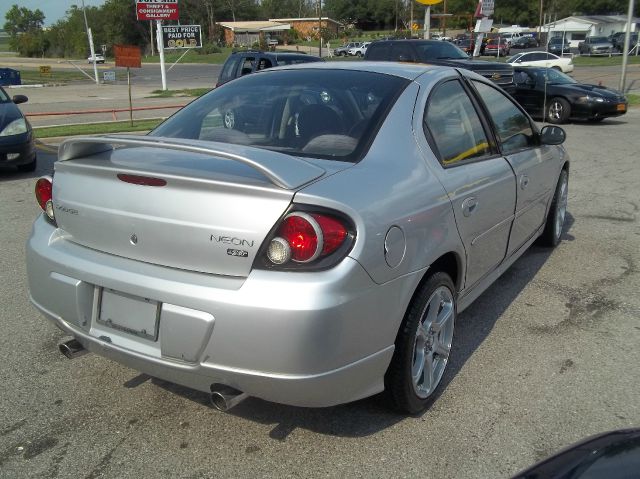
(423, 345)
(558, 111)
(557, 213)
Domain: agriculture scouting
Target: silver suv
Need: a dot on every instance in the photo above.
(343, 50)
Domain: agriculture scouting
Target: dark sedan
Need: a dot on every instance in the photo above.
(16, 136)
(558, 46)
(565, 98)
(525, 42)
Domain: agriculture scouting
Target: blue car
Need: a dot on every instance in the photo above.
(17, 146)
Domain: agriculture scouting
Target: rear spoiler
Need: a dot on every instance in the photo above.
(282, 170)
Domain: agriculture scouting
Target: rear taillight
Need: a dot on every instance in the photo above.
(44, 192)
(309, 240)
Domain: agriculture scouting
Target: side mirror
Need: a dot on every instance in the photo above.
(19, 99)
(552, 135)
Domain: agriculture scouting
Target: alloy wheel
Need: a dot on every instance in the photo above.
(433, 342)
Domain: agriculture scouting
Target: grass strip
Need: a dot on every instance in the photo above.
(604, 61)
(95, 128)
(31, 75)
(189, 92)
(633, 99)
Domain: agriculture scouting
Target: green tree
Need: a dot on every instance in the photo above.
(22, 20)
(25, 31)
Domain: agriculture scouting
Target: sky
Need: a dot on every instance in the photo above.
(53, 10)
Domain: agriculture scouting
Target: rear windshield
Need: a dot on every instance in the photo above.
(598, 40)
(332, 114)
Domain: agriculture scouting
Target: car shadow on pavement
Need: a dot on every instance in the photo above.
(46, 159)
(372, 415)
(605, 122)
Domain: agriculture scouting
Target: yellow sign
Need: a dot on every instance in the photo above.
(429, 2)
(415, 26)
(45, 70)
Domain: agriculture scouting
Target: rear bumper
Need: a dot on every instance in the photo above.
(302, 339)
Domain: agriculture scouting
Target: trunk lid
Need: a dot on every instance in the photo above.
(207, 213)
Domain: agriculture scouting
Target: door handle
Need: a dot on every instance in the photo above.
(524, 181)
(469, 205)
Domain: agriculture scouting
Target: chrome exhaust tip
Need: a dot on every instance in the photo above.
(72, 348)
(224, 397)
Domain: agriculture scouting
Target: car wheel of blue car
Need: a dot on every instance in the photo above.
(423, 345)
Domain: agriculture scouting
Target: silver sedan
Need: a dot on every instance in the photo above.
(312, 252)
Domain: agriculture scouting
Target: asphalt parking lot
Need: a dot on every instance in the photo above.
(547, 356)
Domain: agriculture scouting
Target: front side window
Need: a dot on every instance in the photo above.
(511, 124)
(454, 125)
(329, 114)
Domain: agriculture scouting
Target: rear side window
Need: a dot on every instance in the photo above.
(401, 52)
(247, 65)
(379, 52)
(229, 69)
(454, 125)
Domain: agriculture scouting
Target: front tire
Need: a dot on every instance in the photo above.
(558, 111)
(557, 213)
(423, 345)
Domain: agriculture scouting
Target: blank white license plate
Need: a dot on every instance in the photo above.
(131, 314)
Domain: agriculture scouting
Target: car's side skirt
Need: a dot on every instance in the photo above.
(466, 297)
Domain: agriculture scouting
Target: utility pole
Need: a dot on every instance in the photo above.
(540, 23)
(411, 20)
(625, 52)
(90, 38)
(320, 28)
(444, 20)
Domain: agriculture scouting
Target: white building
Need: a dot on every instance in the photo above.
(577, 28)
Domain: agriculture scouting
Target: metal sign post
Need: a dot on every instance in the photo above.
(163, 71)
(158, 10)
(128, 56)
(130, 102)
(427, 15)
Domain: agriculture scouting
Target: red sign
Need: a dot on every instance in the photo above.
(128, 56)
(157, 10)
